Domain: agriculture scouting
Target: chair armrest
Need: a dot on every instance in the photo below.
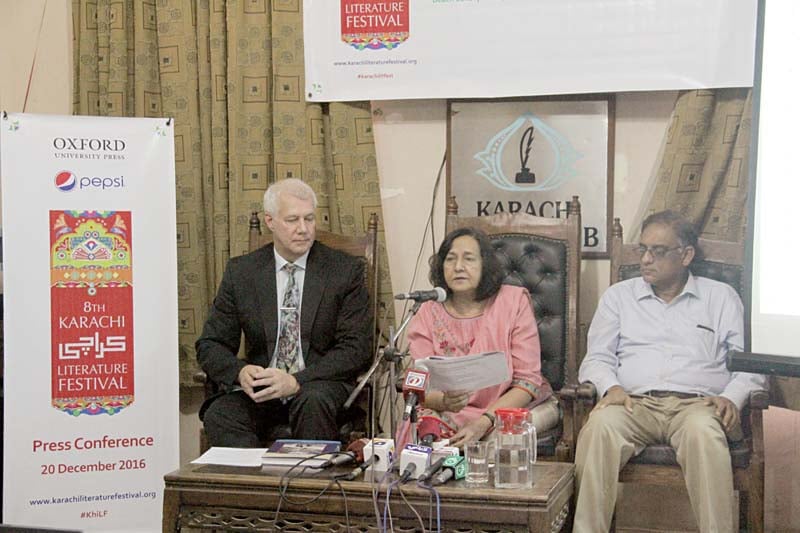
(577, 401)
(758, 400)
(587, 392)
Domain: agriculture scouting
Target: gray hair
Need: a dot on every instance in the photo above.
(291, 186)
(684, 230)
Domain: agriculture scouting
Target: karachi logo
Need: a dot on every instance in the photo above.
(374, 24)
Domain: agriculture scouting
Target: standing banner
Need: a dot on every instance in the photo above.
(397, 49)
(91, 340)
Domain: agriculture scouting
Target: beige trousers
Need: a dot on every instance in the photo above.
(612, 436)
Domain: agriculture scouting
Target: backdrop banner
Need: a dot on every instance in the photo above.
(396, 49)
(91, 350)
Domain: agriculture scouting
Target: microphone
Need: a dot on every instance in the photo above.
(437, 294)
(429, 430)
(355, 452)
(408, 471)
(431, 470)
(414, 386)
(382, 452)
(340, 458)
(454, 467)
(418, 456)
(360, 468)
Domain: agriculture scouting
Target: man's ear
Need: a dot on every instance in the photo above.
(269, 220)
(688, 255)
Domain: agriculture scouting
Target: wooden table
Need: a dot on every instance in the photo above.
(246, 499)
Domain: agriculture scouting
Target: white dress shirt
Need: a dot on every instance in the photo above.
(641, 343)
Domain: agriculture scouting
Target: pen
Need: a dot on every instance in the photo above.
(701, 326)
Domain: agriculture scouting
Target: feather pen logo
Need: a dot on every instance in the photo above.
(561, 158)
(374, 24)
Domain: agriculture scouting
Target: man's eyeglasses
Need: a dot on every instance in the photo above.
(658, 252)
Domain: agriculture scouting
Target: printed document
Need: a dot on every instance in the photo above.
(231, 456)
(468, 372)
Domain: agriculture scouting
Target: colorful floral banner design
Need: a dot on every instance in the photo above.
(91, 305)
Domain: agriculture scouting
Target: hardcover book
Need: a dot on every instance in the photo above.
(289, 452)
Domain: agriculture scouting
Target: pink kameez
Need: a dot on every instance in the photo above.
(507, 325)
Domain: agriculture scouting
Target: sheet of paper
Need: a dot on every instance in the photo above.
(469, 372)
(231, 456)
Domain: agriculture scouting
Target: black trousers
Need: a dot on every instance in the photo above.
(234, 420)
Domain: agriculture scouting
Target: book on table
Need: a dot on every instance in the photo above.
(289, 452)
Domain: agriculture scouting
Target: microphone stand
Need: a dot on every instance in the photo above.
(391, 355)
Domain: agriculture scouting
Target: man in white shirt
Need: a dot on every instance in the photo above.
(656, 354)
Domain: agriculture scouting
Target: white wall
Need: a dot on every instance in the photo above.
(20, 40)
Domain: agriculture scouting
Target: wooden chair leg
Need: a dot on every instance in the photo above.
(203, 441)
(755, 499)
(563, 453)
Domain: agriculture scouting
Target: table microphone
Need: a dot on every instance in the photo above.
(408, 471)
(437, 294)
(429, 430)
(360, 468)
(355, 452)
(431, 470)
(454, 467)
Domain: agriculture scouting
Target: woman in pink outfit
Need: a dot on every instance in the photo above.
(480, 315)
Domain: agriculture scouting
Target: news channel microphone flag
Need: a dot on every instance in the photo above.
(91, 351)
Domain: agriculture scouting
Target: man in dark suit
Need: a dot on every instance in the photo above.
(304, 311)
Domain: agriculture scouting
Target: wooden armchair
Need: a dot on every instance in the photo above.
(544, 256)
(364, 247)
(657, 465)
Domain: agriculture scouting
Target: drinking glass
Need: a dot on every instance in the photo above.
(477, 454)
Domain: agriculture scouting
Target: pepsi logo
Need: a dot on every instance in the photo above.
(65, 181)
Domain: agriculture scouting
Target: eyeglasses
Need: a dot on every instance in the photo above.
(658, 252)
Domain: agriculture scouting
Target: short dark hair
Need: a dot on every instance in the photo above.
(684, 230)
(491, 272)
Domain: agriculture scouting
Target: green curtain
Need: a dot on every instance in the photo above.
(230, 73)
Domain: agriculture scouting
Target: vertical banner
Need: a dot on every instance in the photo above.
(90, 340)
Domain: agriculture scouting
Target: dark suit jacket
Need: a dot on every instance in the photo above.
(335, 318)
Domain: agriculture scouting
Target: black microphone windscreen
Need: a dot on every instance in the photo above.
(431, 470)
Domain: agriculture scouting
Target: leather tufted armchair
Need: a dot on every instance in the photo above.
(542, 255)
(657, 465)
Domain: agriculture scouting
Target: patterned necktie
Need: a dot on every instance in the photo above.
(288, 340)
